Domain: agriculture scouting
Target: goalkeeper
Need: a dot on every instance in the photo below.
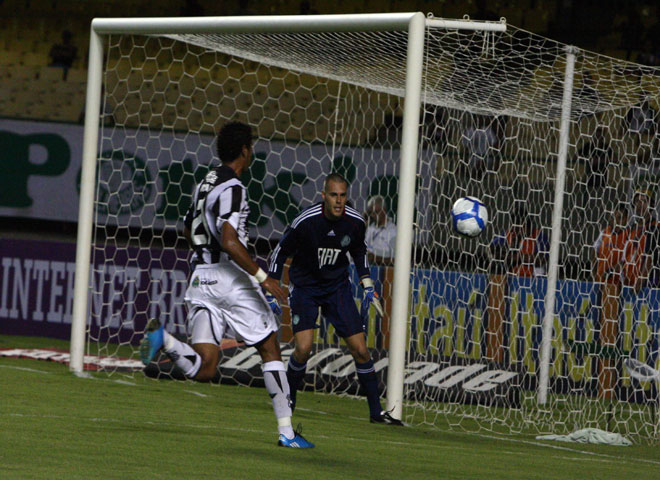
(319, 240)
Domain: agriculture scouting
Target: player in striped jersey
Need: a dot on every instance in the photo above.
(319, 240)
(224, 298)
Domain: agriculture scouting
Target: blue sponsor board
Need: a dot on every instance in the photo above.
(450, 319)
(448, 324)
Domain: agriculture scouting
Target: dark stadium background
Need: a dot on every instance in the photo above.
(31, 90)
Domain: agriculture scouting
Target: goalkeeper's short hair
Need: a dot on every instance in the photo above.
(335, 177)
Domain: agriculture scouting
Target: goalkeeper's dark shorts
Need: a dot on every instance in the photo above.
(337, 307)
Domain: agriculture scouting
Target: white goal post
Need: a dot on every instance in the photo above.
(528, 327)
(414, 23)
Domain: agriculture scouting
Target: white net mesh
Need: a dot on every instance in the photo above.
(490, 129)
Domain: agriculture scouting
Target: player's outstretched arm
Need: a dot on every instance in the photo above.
(232, 245)
(370, 296)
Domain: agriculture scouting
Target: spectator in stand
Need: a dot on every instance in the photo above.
(480, 142)
(524, 247)
(641, 255)
(380, 235)
(596, 155)
(640, 119)
(305, 8)
(610, 245)
(62, 55)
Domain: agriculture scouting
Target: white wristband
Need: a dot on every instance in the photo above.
(261, 276)
(367, 282)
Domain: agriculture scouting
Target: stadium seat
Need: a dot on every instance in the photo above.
(33, 59)
(77, 75)
(10, 57)
(50, 74)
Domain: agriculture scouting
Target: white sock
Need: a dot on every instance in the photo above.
(182, 355)
(277, 387)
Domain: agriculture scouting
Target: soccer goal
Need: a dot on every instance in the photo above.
(521, 329)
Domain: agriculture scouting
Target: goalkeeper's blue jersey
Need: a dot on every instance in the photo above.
(320, 249)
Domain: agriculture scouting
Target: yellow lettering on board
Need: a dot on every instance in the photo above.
(438, 336)
(642, 337)
(557, 362)
(475, 347)
(447, 332)
(626, 339)
(459, 349)
(529, 322)
(579, 371)
(513, 334)
(422, 315)
(626, 334)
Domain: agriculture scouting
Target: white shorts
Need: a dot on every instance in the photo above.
(234, 304)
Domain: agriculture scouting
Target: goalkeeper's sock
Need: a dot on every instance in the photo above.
(182, 354)
(295, 374)
(278, 390)
(369, 382)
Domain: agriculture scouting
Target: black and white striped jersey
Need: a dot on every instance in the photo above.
(219, 198)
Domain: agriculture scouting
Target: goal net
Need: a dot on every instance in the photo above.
(490, 127)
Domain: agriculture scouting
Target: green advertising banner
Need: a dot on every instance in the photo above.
(145, 178)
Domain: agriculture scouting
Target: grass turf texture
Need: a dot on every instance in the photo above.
(55, 425)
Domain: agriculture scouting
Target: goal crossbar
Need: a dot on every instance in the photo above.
(418, 111)
(282, 23)
(414, 23)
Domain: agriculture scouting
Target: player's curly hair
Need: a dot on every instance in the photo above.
(231, 139)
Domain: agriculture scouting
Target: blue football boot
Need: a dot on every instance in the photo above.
(296, 442)
(152, 341)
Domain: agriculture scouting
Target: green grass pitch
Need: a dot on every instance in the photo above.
(54, 425)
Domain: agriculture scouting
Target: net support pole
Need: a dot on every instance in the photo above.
(86, 207)
(405, 211)
(555, 239)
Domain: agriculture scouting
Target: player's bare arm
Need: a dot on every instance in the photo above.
(232, 245)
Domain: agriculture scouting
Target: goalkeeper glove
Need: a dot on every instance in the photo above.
(369, 297)
(273, 304)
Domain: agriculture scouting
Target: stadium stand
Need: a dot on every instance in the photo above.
(32, 90)
(29, 30)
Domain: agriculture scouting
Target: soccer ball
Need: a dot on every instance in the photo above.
(469, 216)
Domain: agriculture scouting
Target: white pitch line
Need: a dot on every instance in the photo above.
(196, 393)
(518, 440)
(300, 409)
(24, 369)
(568, 449)
(599, 456)
(371, 440)
(124, 382)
